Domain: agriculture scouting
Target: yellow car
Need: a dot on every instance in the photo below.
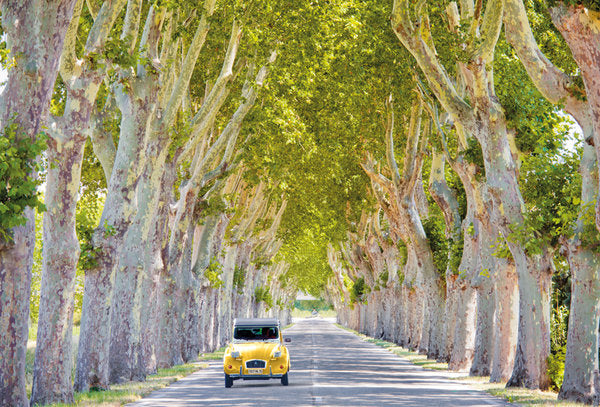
(257, 352)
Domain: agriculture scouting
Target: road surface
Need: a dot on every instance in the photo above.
(330, 367)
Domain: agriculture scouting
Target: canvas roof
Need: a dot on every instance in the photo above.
(256, 322)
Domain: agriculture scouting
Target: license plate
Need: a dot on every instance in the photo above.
(255, 371)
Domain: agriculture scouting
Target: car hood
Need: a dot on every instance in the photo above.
(256, 350)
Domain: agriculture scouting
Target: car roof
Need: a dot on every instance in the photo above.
(256, 322)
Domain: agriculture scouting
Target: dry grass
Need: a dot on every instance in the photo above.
(121, 394)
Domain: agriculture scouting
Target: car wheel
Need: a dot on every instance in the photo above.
(284, 379)
(228, 381)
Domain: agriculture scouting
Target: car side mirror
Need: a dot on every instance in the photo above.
(287, 340)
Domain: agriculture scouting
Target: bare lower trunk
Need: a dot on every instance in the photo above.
(190, 346)
(533, 343)
(53, 355)
(436, 317)
(416, 317)
(464, 330)
(93, 350)
(403, 328)
(581, 359)
(136, 104)
(34, 33)
(15, 283)
(425, 329)
(505, 321)
(452, 298)
(132, 284)
(484, 334)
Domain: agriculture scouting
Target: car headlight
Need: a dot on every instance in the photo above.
(277, 354)
(235, 354)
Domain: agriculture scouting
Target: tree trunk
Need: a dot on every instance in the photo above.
(484, 332)
(34, 34)
(15, 282)
(131, 279)
(464, 330)
(581, 359)
(136, 104)
(452, 299)
(579, 27)
(463, 343)
(53, 354)
(533, 341)
(505, 320)
(190, 346)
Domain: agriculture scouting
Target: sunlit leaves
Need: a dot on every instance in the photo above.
(18, 181)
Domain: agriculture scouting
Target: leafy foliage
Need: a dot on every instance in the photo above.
(239, 279)
(309, 305)
(18, 180)
(358, 290)
(558, 346)
(213, 273)
(262, 294)
(435, 230)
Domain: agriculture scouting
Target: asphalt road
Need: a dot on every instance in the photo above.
(330, 367)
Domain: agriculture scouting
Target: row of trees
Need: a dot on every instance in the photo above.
(185, 240)
(235, 153)
(483, 302)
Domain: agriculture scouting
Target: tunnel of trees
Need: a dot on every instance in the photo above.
(430, 168)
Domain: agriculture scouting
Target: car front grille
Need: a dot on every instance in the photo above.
(256, 364)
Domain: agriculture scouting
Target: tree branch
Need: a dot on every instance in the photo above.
(554, 84)
(93, 7)
(103, 24)
(189, 63)
(68, 58)
(131, 24)
(389, 142)
(412, 142)
(490, 30)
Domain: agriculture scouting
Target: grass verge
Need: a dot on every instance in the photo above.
(120, 394)
(216, 355)
(518, 396)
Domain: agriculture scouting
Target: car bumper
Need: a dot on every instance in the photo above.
(264, 376)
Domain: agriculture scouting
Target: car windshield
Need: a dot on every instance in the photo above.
(255, 333)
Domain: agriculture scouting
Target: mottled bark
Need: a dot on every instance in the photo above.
(448, 203)
(464, 329)
(15, 282)
(53, 354)
(134, 273)
(485, 120)
(579, 27)
(505, 320)
(190, 343)
(405, 222)
(53, 362)
(483, 282)
(35, 34)
(484, 333)
(451, 312)
(581, 359)
(137, 104)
